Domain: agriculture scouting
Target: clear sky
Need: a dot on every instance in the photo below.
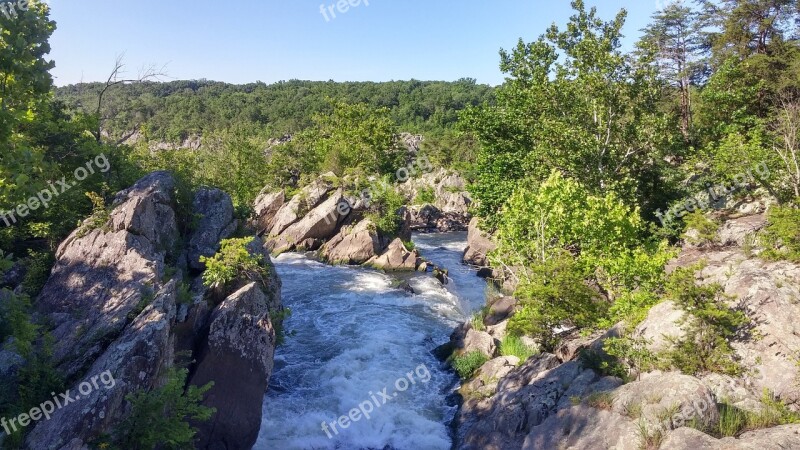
(270, 40)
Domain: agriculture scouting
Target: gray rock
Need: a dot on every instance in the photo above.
(265, 210)
(132, 363)
(584, 427)
(480, 341)
(396, 258)
(485, 381)
(213, 210)
(102, 279)
(738, 231)
(479, 245)
(306, 200)
(354, 244)
(321, 223)
(661, 327)
(238, 358)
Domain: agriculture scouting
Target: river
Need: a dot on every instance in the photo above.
(359, 342)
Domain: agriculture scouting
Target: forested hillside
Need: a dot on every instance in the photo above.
(174, 111)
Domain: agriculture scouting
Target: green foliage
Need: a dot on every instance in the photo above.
(425, 196)
(37, 266)
(514, 346)
(553, 294)
(705, 228)
(384, 205)
(467, 364)
(710, 325)
(734, 421)
(161, 417)
(234, 261)
(631, 354)
(782, 234)
(573, 102)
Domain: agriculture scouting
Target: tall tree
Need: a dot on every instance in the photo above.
(676, 41)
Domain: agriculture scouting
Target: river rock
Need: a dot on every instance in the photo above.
(238, 358)
(479, 245)
(265, 210)
(307, 199)
(103, 277)
(213, 210)
(354, 244)
(479, 341)
(396, 258)
(321, 223)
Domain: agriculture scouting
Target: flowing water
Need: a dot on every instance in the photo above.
(355, 336)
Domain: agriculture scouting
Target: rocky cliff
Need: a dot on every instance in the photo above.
(561, 400)
(116, 304)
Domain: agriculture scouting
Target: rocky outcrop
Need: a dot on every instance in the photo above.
(213, 211)
(303, 202)
(238, 358)
(449, 210)
(132, 363)
(104, 277)
(265, 210)
(663, 326)
(117, 320)
(428, 218)
(396, 258)
(320, 223)
(354, 244)
(479, 244)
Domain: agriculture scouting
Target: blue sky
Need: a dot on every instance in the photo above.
(272, 40)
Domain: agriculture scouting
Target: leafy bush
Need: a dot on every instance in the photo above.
(710, 325)
(514, 346)
(782, 234)
(467, 364)
(553, 293)
(425, 196)
(384, 206)
(38, 266)
(233, 261)
(705, 228)
(161, 417)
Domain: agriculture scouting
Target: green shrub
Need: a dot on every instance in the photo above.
(514, 346)
(710, 325)
(782, 234)
(467, 364)
(160, 418)
(233, 261)
(38, 266)
(425, 196)
(554, 293)
(706, 228)
(384, 206)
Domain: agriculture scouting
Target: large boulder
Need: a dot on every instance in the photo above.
(132, 363)
(396, 258)
(321, 223)
(238, 358)
(104, 277)
(213, 211)
(479, 245)
(663, 326)
(304, 201)
(354, 244)
(265, 210)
